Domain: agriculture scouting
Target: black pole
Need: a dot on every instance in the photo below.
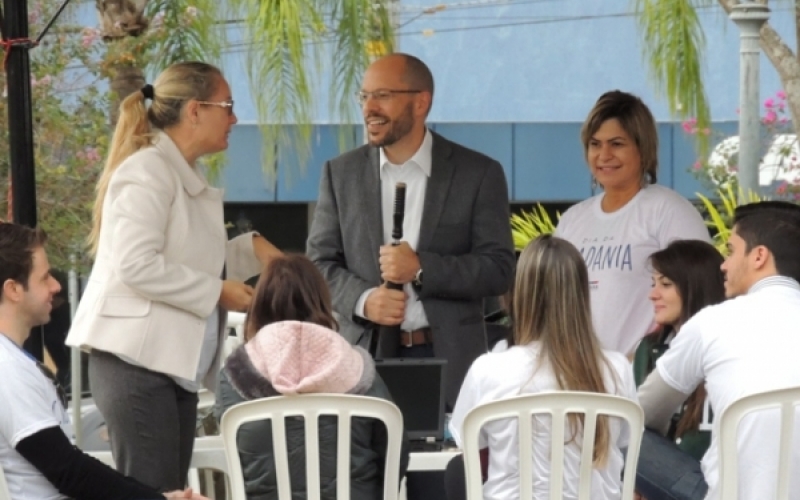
(20, 115)
(20, 127)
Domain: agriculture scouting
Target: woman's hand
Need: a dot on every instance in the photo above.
(264, 250)
(235, 296)
(187, 493)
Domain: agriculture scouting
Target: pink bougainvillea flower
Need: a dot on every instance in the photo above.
(92, 155)
(89, 36)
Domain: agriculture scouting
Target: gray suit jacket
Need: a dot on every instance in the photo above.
(465, 246)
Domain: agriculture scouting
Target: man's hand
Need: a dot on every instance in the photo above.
(399, 264)
(235, 296)
(385, 306)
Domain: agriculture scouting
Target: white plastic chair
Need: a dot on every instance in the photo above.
(208, 455)
(311, 407)
(784, 399)
(236, 323)
(4, 493)
(558, 405)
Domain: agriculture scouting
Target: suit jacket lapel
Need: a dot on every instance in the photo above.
(442, 169)
(369, 183)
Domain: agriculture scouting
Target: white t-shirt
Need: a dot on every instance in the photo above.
(29, 404)
(740, 347)
(494, 376)
(616, 247)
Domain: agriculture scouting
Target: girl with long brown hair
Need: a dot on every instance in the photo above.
(555, 350)
(686, 278)
(292, 348)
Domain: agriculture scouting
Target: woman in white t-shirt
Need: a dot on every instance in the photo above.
(555, 350)
(617, 230)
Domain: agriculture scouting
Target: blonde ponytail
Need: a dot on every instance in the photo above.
(131, 134)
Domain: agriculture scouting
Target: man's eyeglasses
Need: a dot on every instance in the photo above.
(220, 104)
(382, 95)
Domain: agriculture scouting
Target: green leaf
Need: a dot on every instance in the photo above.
(527, 226)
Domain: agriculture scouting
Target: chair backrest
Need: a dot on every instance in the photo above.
(235, 323)
(557, 405)
(311, 407)
(4, 493)
(784, 399)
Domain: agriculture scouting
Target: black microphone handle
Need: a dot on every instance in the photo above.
(397, 218)
(399, 212)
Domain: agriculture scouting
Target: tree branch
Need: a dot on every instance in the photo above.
(787, 65)
(797, 24)
(727, 5)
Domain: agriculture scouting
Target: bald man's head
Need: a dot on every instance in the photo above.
(411, 70)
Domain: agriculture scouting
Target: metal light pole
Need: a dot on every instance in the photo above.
(749, 17)
(76, 368)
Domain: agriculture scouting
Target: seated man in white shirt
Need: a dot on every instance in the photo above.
(743, 346)
(36, 454)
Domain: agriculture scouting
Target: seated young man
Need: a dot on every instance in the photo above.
(36, 455)
(740, 347)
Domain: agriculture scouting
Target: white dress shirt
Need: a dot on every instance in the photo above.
(414, 173)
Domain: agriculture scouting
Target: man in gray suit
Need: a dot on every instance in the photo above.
(456, 247)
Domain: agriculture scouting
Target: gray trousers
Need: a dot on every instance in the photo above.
(151, 420)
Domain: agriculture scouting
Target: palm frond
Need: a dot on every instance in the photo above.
(362, 29)
(289, 40)
(189, 32)
(673, 48)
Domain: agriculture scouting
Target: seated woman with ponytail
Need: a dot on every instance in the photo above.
(555, 349)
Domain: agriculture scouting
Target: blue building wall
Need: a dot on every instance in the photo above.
(542, 161)
(513, 61)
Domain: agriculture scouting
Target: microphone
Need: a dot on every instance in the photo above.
(399, 212)
(397, 235)
(397, 227)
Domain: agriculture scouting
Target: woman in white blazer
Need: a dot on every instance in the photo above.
(164, 272)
